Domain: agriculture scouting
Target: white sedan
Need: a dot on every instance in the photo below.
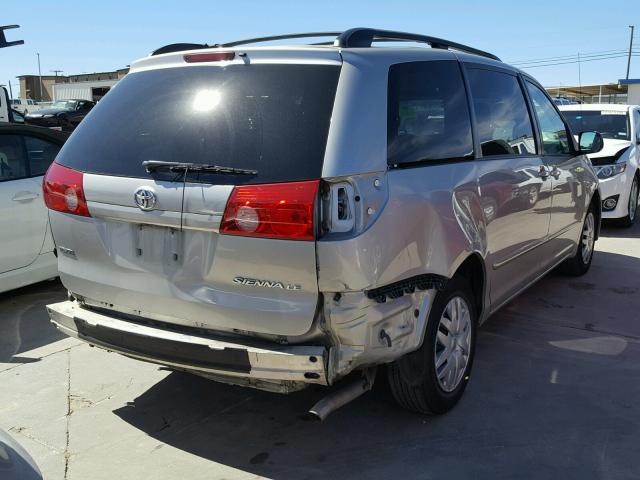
(618, 163)
(27, 253)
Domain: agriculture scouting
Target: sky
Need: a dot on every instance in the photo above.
(89, 36)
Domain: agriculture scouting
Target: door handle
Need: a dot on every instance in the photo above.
(25, 196)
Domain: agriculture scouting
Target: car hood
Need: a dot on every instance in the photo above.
(611, 147)
(48, 111)
(611, 152)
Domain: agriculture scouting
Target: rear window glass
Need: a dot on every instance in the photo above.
(270, 118)
(428, 116)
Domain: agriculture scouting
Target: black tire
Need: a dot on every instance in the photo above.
(631, 217)
(578, 265)
(412, 378)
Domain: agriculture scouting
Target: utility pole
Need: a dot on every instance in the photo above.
(40, 76)
(579, 76)
(57, 72)
(630, 46)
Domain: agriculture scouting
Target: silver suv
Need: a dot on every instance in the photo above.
(276, 217)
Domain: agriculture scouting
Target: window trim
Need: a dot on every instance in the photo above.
(573, 149)
(477, 147)
(442, 161)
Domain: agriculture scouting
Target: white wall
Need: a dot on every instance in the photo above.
(70, 91)
(634, 94)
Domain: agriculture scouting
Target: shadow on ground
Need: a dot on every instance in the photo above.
(24, 322)
(554, 389)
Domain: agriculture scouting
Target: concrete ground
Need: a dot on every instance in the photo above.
(555, 393)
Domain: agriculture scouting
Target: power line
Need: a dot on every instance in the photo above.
(586, 54)
(623, 55)
(571, 57)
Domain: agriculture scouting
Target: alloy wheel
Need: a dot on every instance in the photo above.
(588, 237)
(633, 200)
(453, 344)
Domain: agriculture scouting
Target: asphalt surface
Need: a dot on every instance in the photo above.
(554, 392)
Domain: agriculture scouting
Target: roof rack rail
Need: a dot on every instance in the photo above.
(364, 37)
(352, 38)
(280, 37)
(3, 39)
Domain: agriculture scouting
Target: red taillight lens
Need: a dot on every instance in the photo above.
(63, 190)
(276, 210)
(209, 57)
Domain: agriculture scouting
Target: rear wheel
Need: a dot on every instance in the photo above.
(580, 263)
(432, 379)
(630, 219)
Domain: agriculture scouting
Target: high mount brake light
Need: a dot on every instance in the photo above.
(63, 190)
(276, 210)
(209, 57)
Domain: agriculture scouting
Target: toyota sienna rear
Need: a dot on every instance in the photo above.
(280, 216)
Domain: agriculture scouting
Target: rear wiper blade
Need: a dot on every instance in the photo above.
(153, 165)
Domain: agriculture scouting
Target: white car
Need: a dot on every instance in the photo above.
(24, 105)
(27, 253)
(618, 163)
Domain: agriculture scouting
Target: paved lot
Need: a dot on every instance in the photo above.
(555, 393)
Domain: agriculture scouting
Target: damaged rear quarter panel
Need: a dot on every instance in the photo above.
(431, 222)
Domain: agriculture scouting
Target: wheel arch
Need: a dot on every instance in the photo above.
(473, 270)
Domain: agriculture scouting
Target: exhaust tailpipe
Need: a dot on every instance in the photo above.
(339, 398)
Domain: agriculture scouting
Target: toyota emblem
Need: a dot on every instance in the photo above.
(145, 199)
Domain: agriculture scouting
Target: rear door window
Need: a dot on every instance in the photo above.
(13, 163)
(40, 154)
(270, 118)
(503, 123)
(555, 139)
(427, 116)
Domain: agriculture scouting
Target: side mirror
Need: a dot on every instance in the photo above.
(590, 142)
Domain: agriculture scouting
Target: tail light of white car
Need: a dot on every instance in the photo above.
(63, 190)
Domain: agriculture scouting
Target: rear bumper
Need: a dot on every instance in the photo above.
(277, 368)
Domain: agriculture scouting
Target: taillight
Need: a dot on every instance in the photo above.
(276, 210)
(63, 191)
(209, 57)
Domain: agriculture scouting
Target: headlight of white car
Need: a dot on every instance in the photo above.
(608, 171)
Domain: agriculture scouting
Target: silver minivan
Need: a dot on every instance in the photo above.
(280, 216)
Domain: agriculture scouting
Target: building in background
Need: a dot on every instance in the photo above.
(599, 93)
(86, 86)
(633, 86)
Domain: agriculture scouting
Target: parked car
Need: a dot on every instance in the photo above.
(566, 101)
(15, 461)
(287, 216)
(27, 254)
(62, 115)
(618, 164)
(24, 105)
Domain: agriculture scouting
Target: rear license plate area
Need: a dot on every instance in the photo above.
(157, 244)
